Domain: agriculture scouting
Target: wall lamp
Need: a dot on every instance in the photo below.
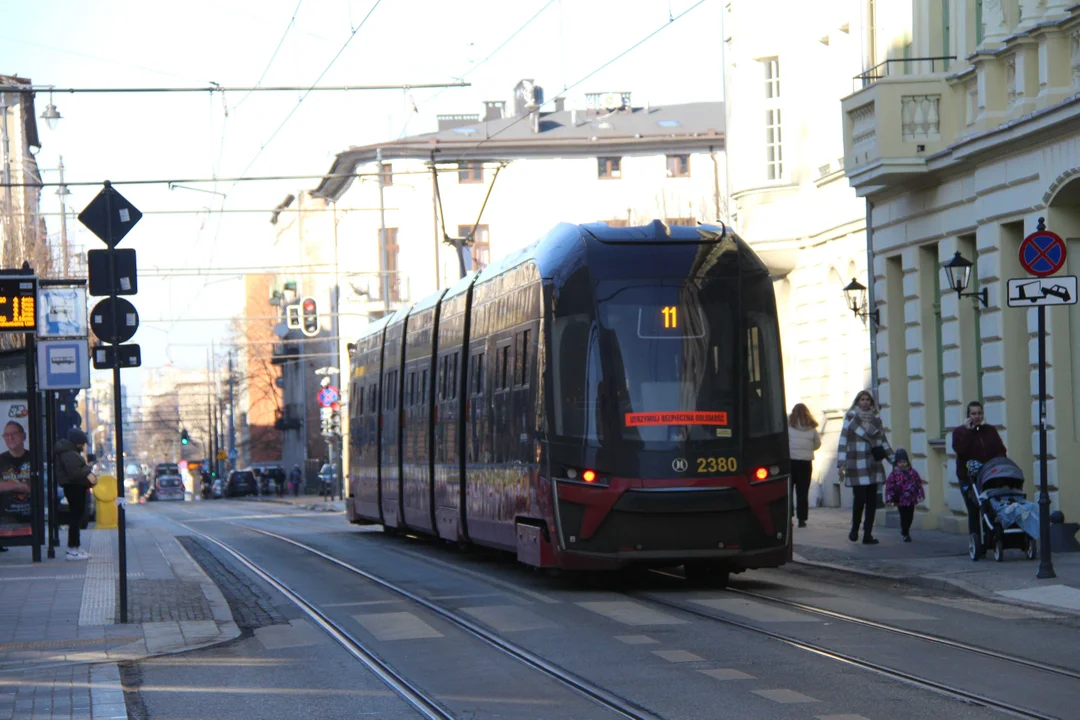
(958, 271)
(855, 292)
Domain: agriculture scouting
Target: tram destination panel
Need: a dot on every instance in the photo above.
(18, 303)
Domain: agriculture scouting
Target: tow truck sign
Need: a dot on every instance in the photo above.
(1032, 292)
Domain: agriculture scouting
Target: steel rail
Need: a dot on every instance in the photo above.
(610, 701)
(854, 661)
(956, 644)
(410, 693)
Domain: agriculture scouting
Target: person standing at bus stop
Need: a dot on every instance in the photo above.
(803, 440)
(75, 476)
(859, 457)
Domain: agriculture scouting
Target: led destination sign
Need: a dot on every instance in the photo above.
(18, 303)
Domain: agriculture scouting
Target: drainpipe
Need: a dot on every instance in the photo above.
(871, 300)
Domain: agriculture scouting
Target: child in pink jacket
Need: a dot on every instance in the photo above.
(904, 489)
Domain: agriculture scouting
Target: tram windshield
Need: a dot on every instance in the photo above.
(659, 364)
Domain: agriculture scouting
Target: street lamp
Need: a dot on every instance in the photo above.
(51, 115)
(855, 292)
(958, 270)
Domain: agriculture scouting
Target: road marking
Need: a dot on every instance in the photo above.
(862, 609)
(630, 613)
(757, 611)
(677, 656)
(636, 639)
(508, 618)
(983, 607)
(298, 633)
(727, 674)
(396, 626)
(785, 697)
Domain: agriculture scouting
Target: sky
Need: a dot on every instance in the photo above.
(187, 294)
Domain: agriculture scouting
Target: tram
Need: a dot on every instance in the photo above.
(603, 397)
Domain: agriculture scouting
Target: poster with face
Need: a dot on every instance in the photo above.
(15, 513)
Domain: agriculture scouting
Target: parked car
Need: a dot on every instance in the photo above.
(217, 490)
(270, 476)
(240, 482)
(167, 487)
(327, 479)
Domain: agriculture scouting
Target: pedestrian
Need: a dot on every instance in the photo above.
(980, 442)
(862, 448)
(904, 489)
(294, 480)
(803, 440)
(75, 476)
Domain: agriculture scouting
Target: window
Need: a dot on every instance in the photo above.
(410, 393)
(373, 400)
(453, 386)
(359, 395)
(423, 387)
(678, 166)
(502, 370)
(477, 373)
(609, 168)
(469, 173)
(481, 244)
(391, 267)
(386, 173)
(772, 78)
(521, 358)
(444, 369)
(774, 156)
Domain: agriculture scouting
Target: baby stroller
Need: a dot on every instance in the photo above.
(1007, 520)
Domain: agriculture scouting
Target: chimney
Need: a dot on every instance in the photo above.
(560, 104)
(534, 119)
(494, 110)
(527, 93)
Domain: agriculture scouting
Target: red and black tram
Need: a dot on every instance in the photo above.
(603, 397)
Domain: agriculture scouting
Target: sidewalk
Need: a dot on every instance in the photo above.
(307, 502)
(935, 560)
(60, 638)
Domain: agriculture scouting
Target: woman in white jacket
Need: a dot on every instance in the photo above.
(803, 440)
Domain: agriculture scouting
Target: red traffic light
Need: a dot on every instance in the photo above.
(309, 306)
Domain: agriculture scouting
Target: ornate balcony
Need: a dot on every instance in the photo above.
(896, 121)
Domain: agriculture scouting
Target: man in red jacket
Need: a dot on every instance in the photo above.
(974, 441)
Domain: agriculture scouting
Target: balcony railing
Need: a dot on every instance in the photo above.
(902, 66)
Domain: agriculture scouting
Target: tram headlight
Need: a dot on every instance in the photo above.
(761, 473)
(588, 477)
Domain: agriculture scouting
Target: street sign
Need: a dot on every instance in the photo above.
(18, 303)
(97, 267)
(105, 356)
(63, 364)
(110, 216)
(328, 396)
(62, 312)
(233, 454)
(1029, 292)
(1042, 253)
(221, 455)
(127, 317)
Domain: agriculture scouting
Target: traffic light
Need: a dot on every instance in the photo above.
(184, 439)
(309, 317)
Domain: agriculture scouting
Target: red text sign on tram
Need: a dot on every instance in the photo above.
(676, 418)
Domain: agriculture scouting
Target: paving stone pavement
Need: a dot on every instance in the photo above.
(60, 635)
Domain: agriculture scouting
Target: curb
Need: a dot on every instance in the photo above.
(932, 582)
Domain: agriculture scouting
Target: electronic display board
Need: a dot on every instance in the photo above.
(18, 303)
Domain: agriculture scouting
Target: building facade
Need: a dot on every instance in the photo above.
(23, 236)
(493, 182)
(783, 84)
(961, 139)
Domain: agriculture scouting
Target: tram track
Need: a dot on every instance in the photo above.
(852, 660)
(423, 702)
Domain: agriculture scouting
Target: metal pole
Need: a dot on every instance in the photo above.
(870, 299)
(37, 502)
(435, 219)
(1046, 566)
(336, 325)
(50, 490)
(63, 219)
(232, 411)
(118, 414)
(383, 255)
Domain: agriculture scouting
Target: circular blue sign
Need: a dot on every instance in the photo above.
(1042, 253)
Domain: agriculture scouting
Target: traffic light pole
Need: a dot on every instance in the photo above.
(118, 422)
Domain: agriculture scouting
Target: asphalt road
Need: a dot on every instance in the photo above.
(645, 638)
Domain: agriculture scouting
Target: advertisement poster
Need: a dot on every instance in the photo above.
(15, 513)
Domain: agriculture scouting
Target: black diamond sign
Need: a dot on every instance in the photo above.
(110, 216)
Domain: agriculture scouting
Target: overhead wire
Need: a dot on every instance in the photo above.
(273, 56)
(616, 58)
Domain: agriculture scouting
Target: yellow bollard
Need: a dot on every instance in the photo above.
(105, 495)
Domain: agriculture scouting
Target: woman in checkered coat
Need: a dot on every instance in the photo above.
(863, 447)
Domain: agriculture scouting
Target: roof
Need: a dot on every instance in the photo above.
(689, 127)
(29, 114)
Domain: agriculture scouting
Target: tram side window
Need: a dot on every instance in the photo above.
(373, 399)
(476, 373)
(442, 377)
(502, 362)
(452, 387)
(763, 375)
(521, 359)
(577, 377)
(410, 392)
(424, 387)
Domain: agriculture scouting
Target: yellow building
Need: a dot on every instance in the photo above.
(963, 135)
